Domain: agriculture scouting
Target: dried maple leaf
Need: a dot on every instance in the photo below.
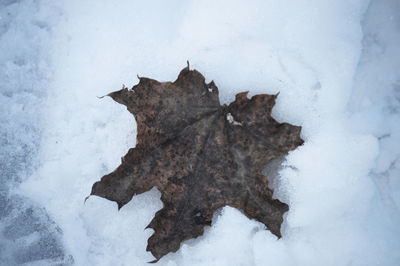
(200, 155)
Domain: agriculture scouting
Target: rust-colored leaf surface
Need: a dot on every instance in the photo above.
(201, 156)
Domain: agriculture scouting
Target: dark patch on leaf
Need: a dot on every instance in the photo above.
(200, 155)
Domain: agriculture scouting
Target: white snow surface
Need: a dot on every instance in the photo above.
(335, 64)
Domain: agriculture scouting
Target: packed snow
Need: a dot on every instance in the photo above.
(335, 64)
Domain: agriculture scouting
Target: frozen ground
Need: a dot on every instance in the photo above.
(335, 63)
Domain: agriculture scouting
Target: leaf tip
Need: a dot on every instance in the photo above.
(241, 97)
(84, 202)
(150, 225)
(211, 86)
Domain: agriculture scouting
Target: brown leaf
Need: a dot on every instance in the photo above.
(200, 155)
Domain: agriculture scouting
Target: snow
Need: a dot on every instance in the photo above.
(334, 63)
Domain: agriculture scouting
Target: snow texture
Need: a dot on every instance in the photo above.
(335, 63)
